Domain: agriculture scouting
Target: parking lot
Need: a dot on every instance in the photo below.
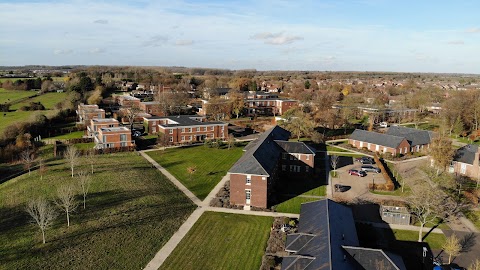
(358, 185)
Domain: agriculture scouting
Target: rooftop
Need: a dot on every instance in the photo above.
(184, 120)
(376, 138)
(105, 120)
(114, 129)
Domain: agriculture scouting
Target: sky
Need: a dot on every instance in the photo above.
(335, 35)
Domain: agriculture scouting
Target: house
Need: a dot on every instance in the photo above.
(253, 176)
(378, 142)
(113, 137)
(128, 101)
(87, 112)
(269, 106)
(151, 107)
(418, 139)
(327, 239)
(186, 128)
(96, 124)
(466, 161)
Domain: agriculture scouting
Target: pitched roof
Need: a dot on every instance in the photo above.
(414, 136)
(295, 147)
(466, 154)
(370, 258)
(261, 156)
(183, 120)
(377, 138)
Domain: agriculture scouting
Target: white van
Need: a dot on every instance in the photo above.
(383, 124)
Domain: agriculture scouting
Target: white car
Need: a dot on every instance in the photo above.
(383, 124)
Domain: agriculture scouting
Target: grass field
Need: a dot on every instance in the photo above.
(71, 135)
(131, 212)
(49, 100)
(222, 241)
(211, 165)
(293, 205)
(435, 240)
(7, 96)
(9, 118)
(85, 146)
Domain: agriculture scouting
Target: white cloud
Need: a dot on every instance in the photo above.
(276, 38)
(101, 21)
(184, 42)
(473, 30)
(155, 41)
(456, 42)
(96, 50)
(60, 51)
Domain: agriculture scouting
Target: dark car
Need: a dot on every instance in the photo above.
(357, 173)
(365, 160)
(341, 188)
(369, 168)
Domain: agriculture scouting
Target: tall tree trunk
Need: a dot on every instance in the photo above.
(420, 232)
(84, 197)
(72, 170)
(68, 219)
(92, 167)
(43, 236)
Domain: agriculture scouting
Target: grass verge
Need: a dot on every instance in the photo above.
(293, 205)
(222, 241)
(435, 240)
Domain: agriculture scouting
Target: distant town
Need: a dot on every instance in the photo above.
(123, 167)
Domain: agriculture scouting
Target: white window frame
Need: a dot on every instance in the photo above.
(171, 139)
(170, 131)
(183, 130)
(183, 138)
(198, 129)
(248, 180)
(307, 157)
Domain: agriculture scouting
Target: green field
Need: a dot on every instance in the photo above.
(435, 240)
(222, 241)
(211, 165)
(9, 118)
(8, 96)
(71, 135)
(49, 100)
(131, 212)
(293, 205)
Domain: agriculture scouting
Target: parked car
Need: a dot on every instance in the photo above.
(383, 124)
(357, 173)
(369, 168)
(365, 160)
(341, 188)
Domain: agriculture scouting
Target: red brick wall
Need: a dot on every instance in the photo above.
(258, 187)
(177, 133)
(373, 146)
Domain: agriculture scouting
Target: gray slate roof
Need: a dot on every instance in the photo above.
(295, 147)
(184, 120)
(263, 154)
(332, 226)
(377, 138)
(466, 154)
(414, 136)
(370, 258)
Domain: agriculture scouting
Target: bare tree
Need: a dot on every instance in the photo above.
(42, 168)
(231, 141)
(84, 181)
(131, 113)
(42, 213)
(425, 205)
(452, 246)
(334, 163)
(191, 170)
(91, 159)
(66, 200)
(237, 102)
(27, 159)
(72, 156)
(441, 152)
(475, 265)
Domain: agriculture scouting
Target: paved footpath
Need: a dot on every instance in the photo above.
(203, 206)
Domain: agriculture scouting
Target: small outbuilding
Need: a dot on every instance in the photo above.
(395, 214)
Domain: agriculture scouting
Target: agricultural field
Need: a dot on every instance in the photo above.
(222, 241)
(7, 96)
(49, 100)
(211, 165)
(131, 212)
(9, 118)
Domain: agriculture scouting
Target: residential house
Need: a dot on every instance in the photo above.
(253, 176)
(97, 124)
(327, 239)
(186, 128)
(87, 112)
(466, 161)
(113, 137)
(418, 139)
(128, 101)
(378, 142)
(151, 107)
(269, 106)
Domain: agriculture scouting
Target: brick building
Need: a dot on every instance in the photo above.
(96, 124)
(253, 176)
(151, 107)
(186, 128)
(128, 101)
(86, 113)
(466, 161)
(113, 137)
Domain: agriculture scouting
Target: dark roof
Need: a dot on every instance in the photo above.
(331, 225)
(466, 154)
(376, 138)
(414, 136)
(295, 147)
(262, 155)
(184, 120)
(370, 258)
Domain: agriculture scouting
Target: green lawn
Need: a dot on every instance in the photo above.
(222, 241)
(335, 149)
(211, 165)
(9, 118)
(71, 135)
(132, 211)
(318, 191)
(474, 216)
(293, 205)
(407, 191)
(49, 100)
(7, 96)
(435, 240)
(84, 146)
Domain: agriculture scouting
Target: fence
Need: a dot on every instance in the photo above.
(395, 214)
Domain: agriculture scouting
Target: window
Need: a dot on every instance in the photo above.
(110, 125)
(170, 131)
(284, 155)
(189, 138)
(198, 128)
(212, 128)
(248, 180)
(307, 157)
(154, 129)
(123, 144)
(204, 128)
(183, 138)
(123, 137)
(306, 168)
(463, 168)
(291, 157)
(183, 130)
(284, 167)
(104, 138)
(171, 139)
(292, 167)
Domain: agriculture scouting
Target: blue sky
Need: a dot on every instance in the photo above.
(357, 35)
